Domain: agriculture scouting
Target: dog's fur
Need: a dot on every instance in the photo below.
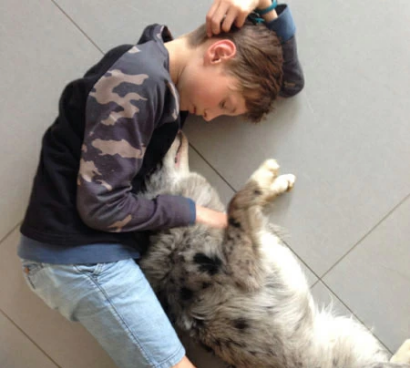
(240, 291)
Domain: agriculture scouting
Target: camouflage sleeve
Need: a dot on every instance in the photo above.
(284, 26)
(121, 114)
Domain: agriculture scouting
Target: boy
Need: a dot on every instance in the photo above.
(85, 225)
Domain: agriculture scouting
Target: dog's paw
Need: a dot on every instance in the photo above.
(283, 183)
(269, 182)
(403, 354)
(266, 173)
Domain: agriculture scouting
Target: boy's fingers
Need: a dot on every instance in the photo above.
(240, 19)
(217, 18)
(209, 16)
(229, 19)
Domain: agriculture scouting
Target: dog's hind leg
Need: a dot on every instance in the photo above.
(247, 224)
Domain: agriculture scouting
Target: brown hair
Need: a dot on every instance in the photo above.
(257, 65)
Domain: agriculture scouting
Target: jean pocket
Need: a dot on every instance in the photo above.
(30, 270)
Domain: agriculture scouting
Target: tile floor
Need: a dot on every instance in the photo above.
(346, 137)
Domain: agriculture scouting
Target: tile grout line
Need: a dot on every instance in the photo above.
(77, 26)
(347, 253)
(315, 283)
(351, 311)
(300, 260)
(366, 235)
(29, 338)
(216, 171)
(10, 232)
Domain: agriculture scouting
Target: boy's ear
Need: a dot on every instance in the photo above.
(220, 51)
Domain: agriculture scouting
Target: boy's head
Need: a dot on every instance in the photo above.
(234, 73)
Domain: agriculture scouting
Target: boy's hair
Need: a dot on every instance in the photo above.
(257, 65)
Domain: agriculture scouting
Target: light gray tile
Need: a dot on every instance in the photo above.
(345, 136)
(17, 351)
(374, 279)
(66, 343)
(365, 40)
(42, 51)
(197, 164)
(111, 23)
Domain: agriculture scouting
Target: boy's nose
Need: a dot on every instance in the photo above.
(209, 115)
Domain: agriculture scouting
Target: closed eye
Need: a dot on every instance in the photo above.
(222, 105)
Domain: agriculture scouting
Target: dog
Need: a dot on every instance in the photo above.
(240, 292)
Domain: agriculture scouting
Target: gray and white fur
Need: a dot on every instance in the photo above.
(240, 292)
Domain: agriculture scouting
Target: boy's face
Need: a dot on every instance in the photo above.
(204, 87)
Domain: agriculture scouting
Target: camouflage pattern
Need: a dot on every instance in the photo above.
(126, 105)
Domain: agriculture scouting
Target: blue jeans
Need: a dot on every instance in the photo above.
(116, 304)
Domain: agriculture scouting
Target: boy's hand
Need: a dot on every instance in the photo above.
(211, 218)
(228, 11)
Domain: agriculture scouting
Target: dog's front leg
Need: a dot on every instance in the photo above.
(246, 224)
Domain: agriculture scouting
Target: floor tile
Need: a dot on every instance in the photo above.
(66, 343)
(375, 46)
(374, 279)
(17, 351)
(197, 164)
(44, 52)
(111, 24)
